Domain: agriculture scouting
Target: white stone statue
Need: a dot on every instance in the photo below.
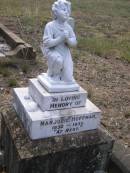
(57, 39)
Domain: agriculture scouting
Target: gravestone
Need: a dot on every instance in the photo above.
(54, 103)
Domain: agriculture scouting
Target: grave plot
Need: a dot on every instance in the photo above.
(13, 46)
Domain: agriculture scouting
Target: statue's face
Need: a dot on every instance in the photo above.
(62, 13)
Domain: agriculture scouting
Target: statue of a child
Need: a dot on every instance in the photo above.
(58, 37)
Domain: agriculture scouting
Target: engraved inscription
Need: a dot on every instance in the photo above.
(65, 101)
(66, 125)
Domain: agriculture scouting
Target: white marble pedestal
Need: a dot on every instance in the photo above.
(57, 86)
(44, 124)
(54, 101)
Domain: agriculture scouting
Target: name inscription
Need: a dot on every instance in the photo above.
(66, 125)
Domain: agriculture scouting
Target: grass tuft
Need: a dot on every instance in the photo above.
(127, 115)
(4, 71)
(25, 68)
(12, 82)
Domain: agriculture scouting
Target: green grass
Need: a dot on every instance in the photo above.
(106, 47)
(102, 26)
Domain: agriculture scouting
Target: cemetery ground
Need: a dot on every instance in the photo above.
(101, 60)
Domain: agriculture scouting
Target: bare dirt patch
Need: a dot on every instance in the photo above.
(108, 85)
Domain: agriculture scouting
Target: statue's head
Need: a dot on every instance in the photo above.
(60, 5)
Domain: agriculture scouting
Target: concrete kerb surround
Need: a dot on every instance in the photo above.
(121, 157)
(120, 154)
(26, 150)
(19, 47)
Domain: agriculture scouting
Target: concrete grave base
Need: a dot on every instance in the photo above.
(45, 124)
(83, 152)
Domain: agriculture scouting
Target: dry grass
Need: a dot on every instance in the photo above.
(102, 26)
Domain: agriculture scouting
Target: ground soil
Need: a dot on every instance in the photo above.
(107, 81)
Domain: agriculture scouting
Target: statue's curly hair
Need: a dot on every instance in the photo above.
(56, 5)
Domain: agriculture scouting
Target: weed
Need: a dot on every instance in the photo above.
(12, 82)
(25, 68)
(127, 114)
(90, 91)
(4, 71)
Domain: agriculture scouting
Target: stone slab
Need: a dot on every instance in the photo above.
(10, 37)
(57, 86)
(46, 124)
(53, 101)
(20, 48)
